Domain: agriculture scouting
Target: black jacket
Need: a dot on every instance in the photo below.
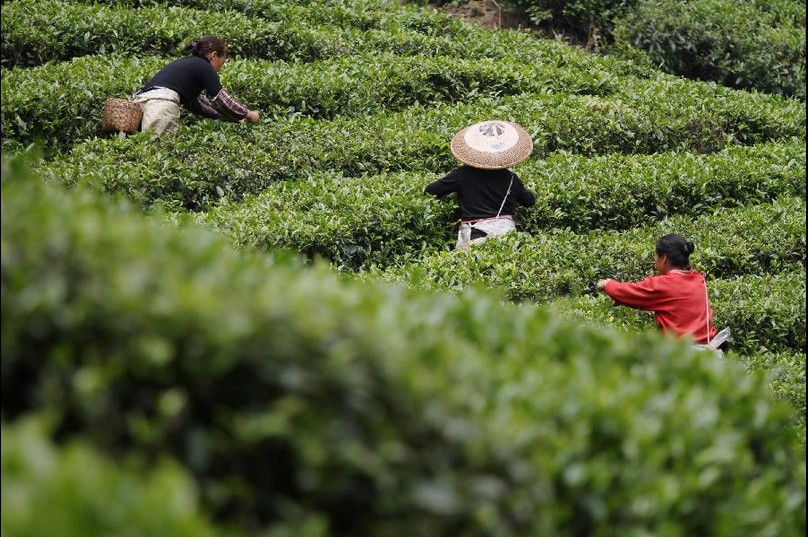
(480, 192)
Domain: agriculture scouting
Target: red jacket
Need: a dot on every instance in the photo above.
(678, 299)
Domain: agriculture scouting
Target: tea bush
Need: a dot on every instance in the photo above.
(359, 14)
(293, 395)
(37, 32)
(750, 45)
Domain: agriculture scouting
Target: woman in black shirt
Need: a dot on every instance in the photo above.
(182, 82)
(487, 191)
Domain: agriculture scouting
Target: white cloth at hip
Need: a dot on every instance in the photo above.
(716, 342)
(498, 225)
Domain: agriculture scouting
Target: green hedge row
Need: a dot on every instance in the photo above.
(766, 313)
(249, 158)
(622, 191)
(292, 395)
(74, 491)
(756, 239)
(373, 82)
(747, 45)
(397, 26)
(352, 222)
(385, 219)
(358, 14)
(37, 32)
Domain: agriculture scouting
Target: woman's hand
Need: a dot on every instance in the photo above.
(253, 116)
(602, 284)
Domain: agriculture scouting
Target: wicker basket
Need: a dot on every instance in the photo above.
(122, 116)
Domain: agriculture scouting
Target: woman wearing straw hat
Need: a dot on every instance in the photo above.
(182, 82)
(487, 191)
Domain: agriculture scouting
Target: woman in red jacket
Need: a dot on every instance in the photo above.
(677, 296)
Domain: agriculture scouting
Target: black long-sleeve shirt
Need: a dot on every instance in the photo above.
(480, 192)
(189, 77)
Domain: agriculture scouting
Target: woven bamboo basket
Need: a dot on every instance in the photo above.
(122, 116)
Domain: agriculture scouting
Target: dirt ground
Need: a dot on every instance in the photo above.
(487, 13)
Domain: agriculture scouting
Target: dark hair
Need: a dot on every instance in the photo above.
(206, 44)
(677, 249)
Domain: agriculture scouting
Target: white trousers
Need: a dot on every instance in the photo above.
(161, 110)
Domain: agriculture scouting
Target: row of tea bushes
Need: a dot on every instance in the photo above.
(766, 312)
(394, 26)
(360, 84)
(366, 15)
(351, 222)
(385, 219)
(756, 239)
(374, 82)
(290, 393)
(38, 32)
(353, 27)
(622, 191)
(249, 158)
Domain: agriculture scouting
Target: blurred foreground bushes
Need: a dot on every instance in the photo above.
(300, 402)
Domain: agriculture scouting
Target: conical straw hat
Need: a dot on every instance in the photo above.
(492, 145)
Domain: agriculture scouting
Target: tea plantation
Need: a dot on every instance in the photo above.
(264, 330)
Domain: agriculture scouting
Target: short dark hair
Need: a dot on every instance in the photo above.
(677, 249)
(206, 44)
